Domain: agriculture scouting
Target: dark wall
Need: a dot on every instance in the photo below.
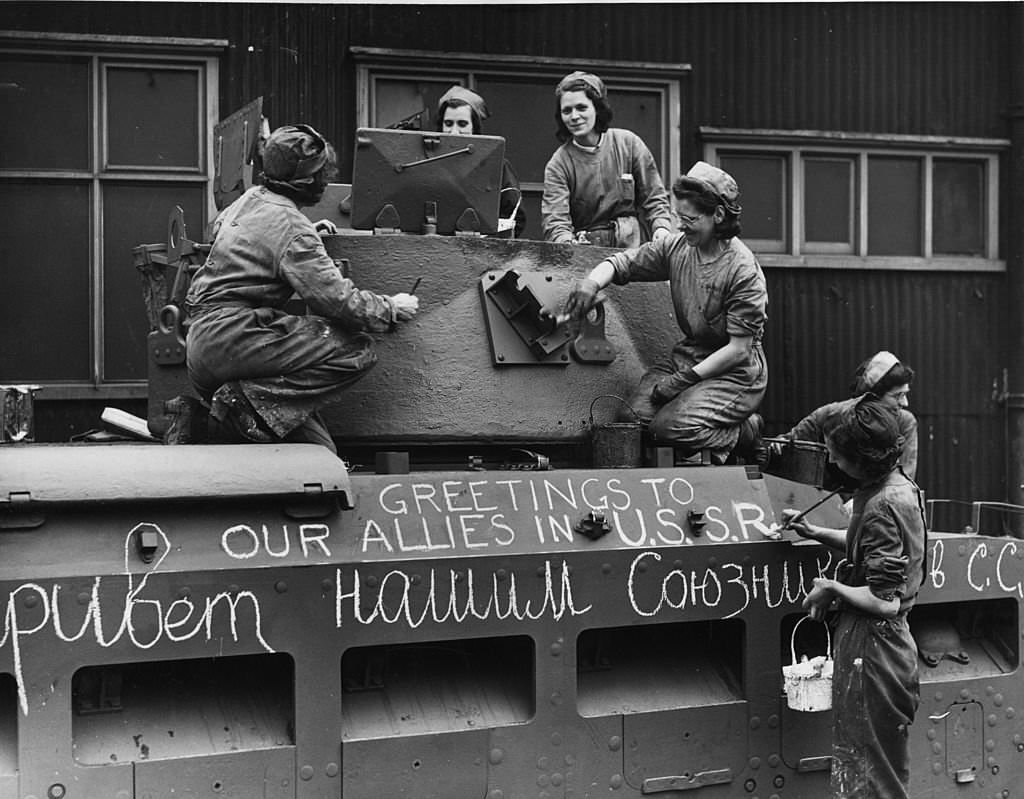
(899, 68)
(908, 68)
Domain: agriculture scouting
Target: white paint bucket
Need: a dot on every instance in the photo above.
(808, 684)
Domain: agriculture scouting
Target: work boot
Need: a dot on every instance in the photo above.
(750, 446)
(188, 420)
(233, 410)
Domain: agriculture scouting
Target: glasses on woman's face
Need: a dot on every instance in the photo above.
(690, 220)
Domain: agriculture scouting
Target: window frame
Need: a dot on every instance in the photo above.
(796, 146)
(102, 52)
(619, 76)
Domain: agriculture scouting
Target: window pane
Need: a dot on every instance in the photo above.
(640, 112)
(135, 214)
(45, 302)
(152, 117)
(958, 207)
(397, 98)
(894, 206)
(761, 179)
(524, 113)
(828, 200)
(46, 113)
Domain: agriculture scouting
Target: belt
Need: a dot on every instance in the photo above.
(609, 225)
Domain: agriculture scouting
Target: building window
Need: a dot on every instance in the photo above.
(102, 137)
(403, 87)
(844, 200)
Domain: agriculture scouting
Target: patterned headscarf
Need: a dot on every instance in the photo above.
(463, 95)
(868, 433)
(292, 156)
(575, 78)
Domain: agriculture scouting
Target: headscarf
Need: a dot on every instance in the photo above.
(868, 433)
(463, 95)
(703, 177)
(292, 156)
(578, 77)
(873, 370)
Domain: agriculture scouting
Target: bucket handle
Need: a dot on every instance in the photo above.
(614, 397)
(792, 640)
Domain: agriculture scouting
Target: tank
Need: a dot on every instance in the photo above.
(473, 601)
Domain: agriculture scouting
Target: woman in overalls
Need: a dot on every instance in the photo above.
(875, 689)
(703, 394)
(602, 185)
(460, 111)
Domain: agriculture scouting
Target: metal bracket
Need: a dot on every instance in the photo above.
(594, 525)
(686, 782)
(387, 221)
(468, 223)
(591, 346)
(514, 296)
(696, 522)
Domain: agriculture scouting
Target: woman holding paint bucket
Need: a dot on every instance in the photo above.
(875, 688)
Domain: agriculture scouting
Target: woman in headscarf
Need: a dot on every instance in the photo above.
(460, 111)
(875, 688)
(602, 185)
(264, 372)
(703, 394)
(882, 376)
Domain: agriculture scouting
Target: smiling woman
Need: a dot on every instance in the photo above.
(703, 395)
(602, 185)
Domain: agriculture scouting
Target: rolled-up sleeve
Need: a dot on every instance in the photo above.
(885, 560)
(318, 281)
(746, 304)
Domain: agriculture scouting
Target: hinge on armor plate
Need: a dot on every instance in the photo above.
(387, 221)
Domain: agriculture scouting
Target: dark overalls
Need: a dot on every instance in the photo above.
(286, 366)
(875, 689)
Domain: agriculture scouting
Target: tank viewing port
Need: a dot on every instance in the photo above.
(659, 667)
(962, 640)
(8, 725)
(437, 687)
(168, 709)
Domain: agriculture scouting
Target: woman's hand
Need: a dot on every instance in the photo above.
(660, 233)
(820, 599)
(326, 226)
(582, 298)
(406, 306)
(801, 527)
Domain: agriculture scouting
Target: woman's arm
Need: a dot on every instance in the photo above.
(556, 219)
(860, 597)
(726, 357)
(829, 536)
(652, 197)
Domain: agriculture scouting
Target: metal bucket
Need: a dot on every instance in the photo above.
(616, 445)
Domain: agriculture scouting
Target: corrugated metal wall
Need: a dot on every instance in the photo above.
(822, 323)
(905, 68)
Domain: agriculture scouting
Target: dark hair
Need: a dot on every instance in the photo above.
(868, 434)
(603, 110)
(706, 202)
(455, 103)
(898, 375)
